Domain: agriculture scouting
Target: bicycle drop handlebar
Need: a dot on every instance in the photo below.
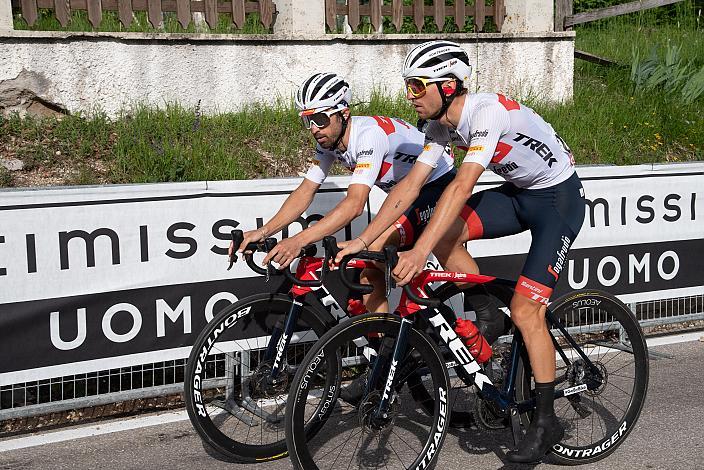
(266, 246)
(389, 257)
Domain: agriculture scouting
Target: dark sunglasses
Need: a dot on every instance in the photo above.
(321, 119)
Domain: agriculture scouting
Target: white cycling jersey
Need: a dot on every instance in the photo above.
(509, 138)
(381, 151)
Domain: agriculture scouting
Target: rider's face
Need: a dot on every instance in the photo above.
(427, 105)
(327, 135)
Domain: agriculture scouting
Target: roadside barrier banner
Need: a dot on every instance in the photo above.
(95, 278)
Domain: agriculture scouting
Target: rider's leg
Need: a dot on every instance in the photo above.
(529, 317)
(555, 216)
(377, 301)
(453, 256)
(450, 250)
(544, 430)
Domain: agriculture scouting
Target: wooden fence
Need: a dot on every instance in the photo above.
(376, 10)
(564, 19)
(154, 8)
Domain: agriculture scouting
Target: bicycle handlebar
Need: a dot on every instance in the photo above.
(266, 246)
(390, 258)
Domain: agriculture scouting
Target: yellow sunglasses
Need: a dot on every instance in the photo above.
(417, 86)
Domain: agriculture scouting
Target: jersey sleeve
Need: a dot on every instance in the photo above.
(437, 144)
(324, 160)
(371, 148)
(487, 124)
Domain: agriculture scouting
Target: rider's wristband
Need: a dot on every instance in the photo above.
(363, 243)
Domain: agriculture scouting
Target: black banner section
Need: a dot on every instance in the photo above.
(96, 326)
(626, 269)
(82, 328)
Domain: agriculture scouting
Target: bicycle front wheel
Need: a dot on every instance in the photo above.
(358, 433)
(602, 404)
(232, 401)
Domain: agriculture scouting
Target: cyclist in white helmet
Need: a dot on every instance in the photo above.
(378, 151)
(542, 194)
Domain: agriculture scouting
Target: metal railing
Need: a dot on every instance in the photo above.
(166, 378)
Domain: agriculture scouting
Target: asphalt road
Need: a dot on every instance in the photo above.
(669, 435)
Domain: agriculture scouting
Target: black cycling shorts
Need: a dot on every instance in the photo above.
(411, 224)
(553, 215)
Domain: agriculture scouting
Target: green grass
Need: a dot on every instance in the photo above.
(111, 23)
(609, 121)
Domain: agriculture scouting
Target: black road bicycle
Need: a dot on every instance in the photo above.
(601, 381)
(239, 371)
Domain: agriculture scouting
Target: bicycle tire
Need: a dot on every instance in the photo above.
(345, 422)
(211, 410)
(579, 311)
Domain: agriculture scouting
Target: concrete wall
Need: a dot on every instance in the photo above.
(5, 15)
(111, 71)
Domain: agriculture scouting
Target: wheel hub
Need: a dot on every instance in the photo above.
(580, 373)
(370, 422)
(262, 385)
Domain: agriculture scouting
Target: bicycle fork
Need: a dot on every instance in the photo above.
(280, 339)
(399, 350)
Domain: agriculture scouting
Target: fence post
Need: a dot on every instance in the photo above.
(6, 15)
(297, 18)
(563, 8)
(528, 16)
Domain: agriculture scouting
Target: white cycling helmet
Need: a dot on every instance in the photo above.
(323, 91)
(435, 59)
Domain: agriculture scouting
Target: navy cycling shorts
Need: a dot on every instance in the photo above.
(553, 215)
(411, 224)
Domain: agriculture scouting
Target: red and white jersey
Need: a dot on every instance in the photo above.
(381, 151)
(509, 138)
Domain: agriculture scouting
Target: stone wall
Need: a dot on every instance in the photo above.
(113, 71)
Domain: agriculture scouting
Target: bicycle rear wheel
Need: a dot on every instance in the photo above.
(597, 420)
(355, 436)
(231, 403)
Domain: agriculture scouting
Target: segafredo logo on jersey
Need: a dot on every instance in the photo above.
(460, 351)
(367, 152)
(561, 257)
(592, 451)
(504, 169)
(424, 215)
(477, 134)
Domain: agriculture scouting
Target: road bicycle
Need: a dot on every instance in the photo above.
(239, 371)
(601, 381)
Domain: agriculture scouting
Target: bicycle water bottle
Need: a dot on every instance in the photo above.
(473, 339)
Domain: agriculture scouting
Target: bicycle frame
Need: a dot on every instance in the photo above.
(307, 269)
(504, 398)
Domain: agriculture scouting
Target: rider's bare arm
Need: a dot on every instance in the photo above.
(342, 214)
(399, 199)
(296, 203)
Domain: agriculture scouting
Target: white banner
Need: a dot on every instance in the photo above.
(92, 277)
